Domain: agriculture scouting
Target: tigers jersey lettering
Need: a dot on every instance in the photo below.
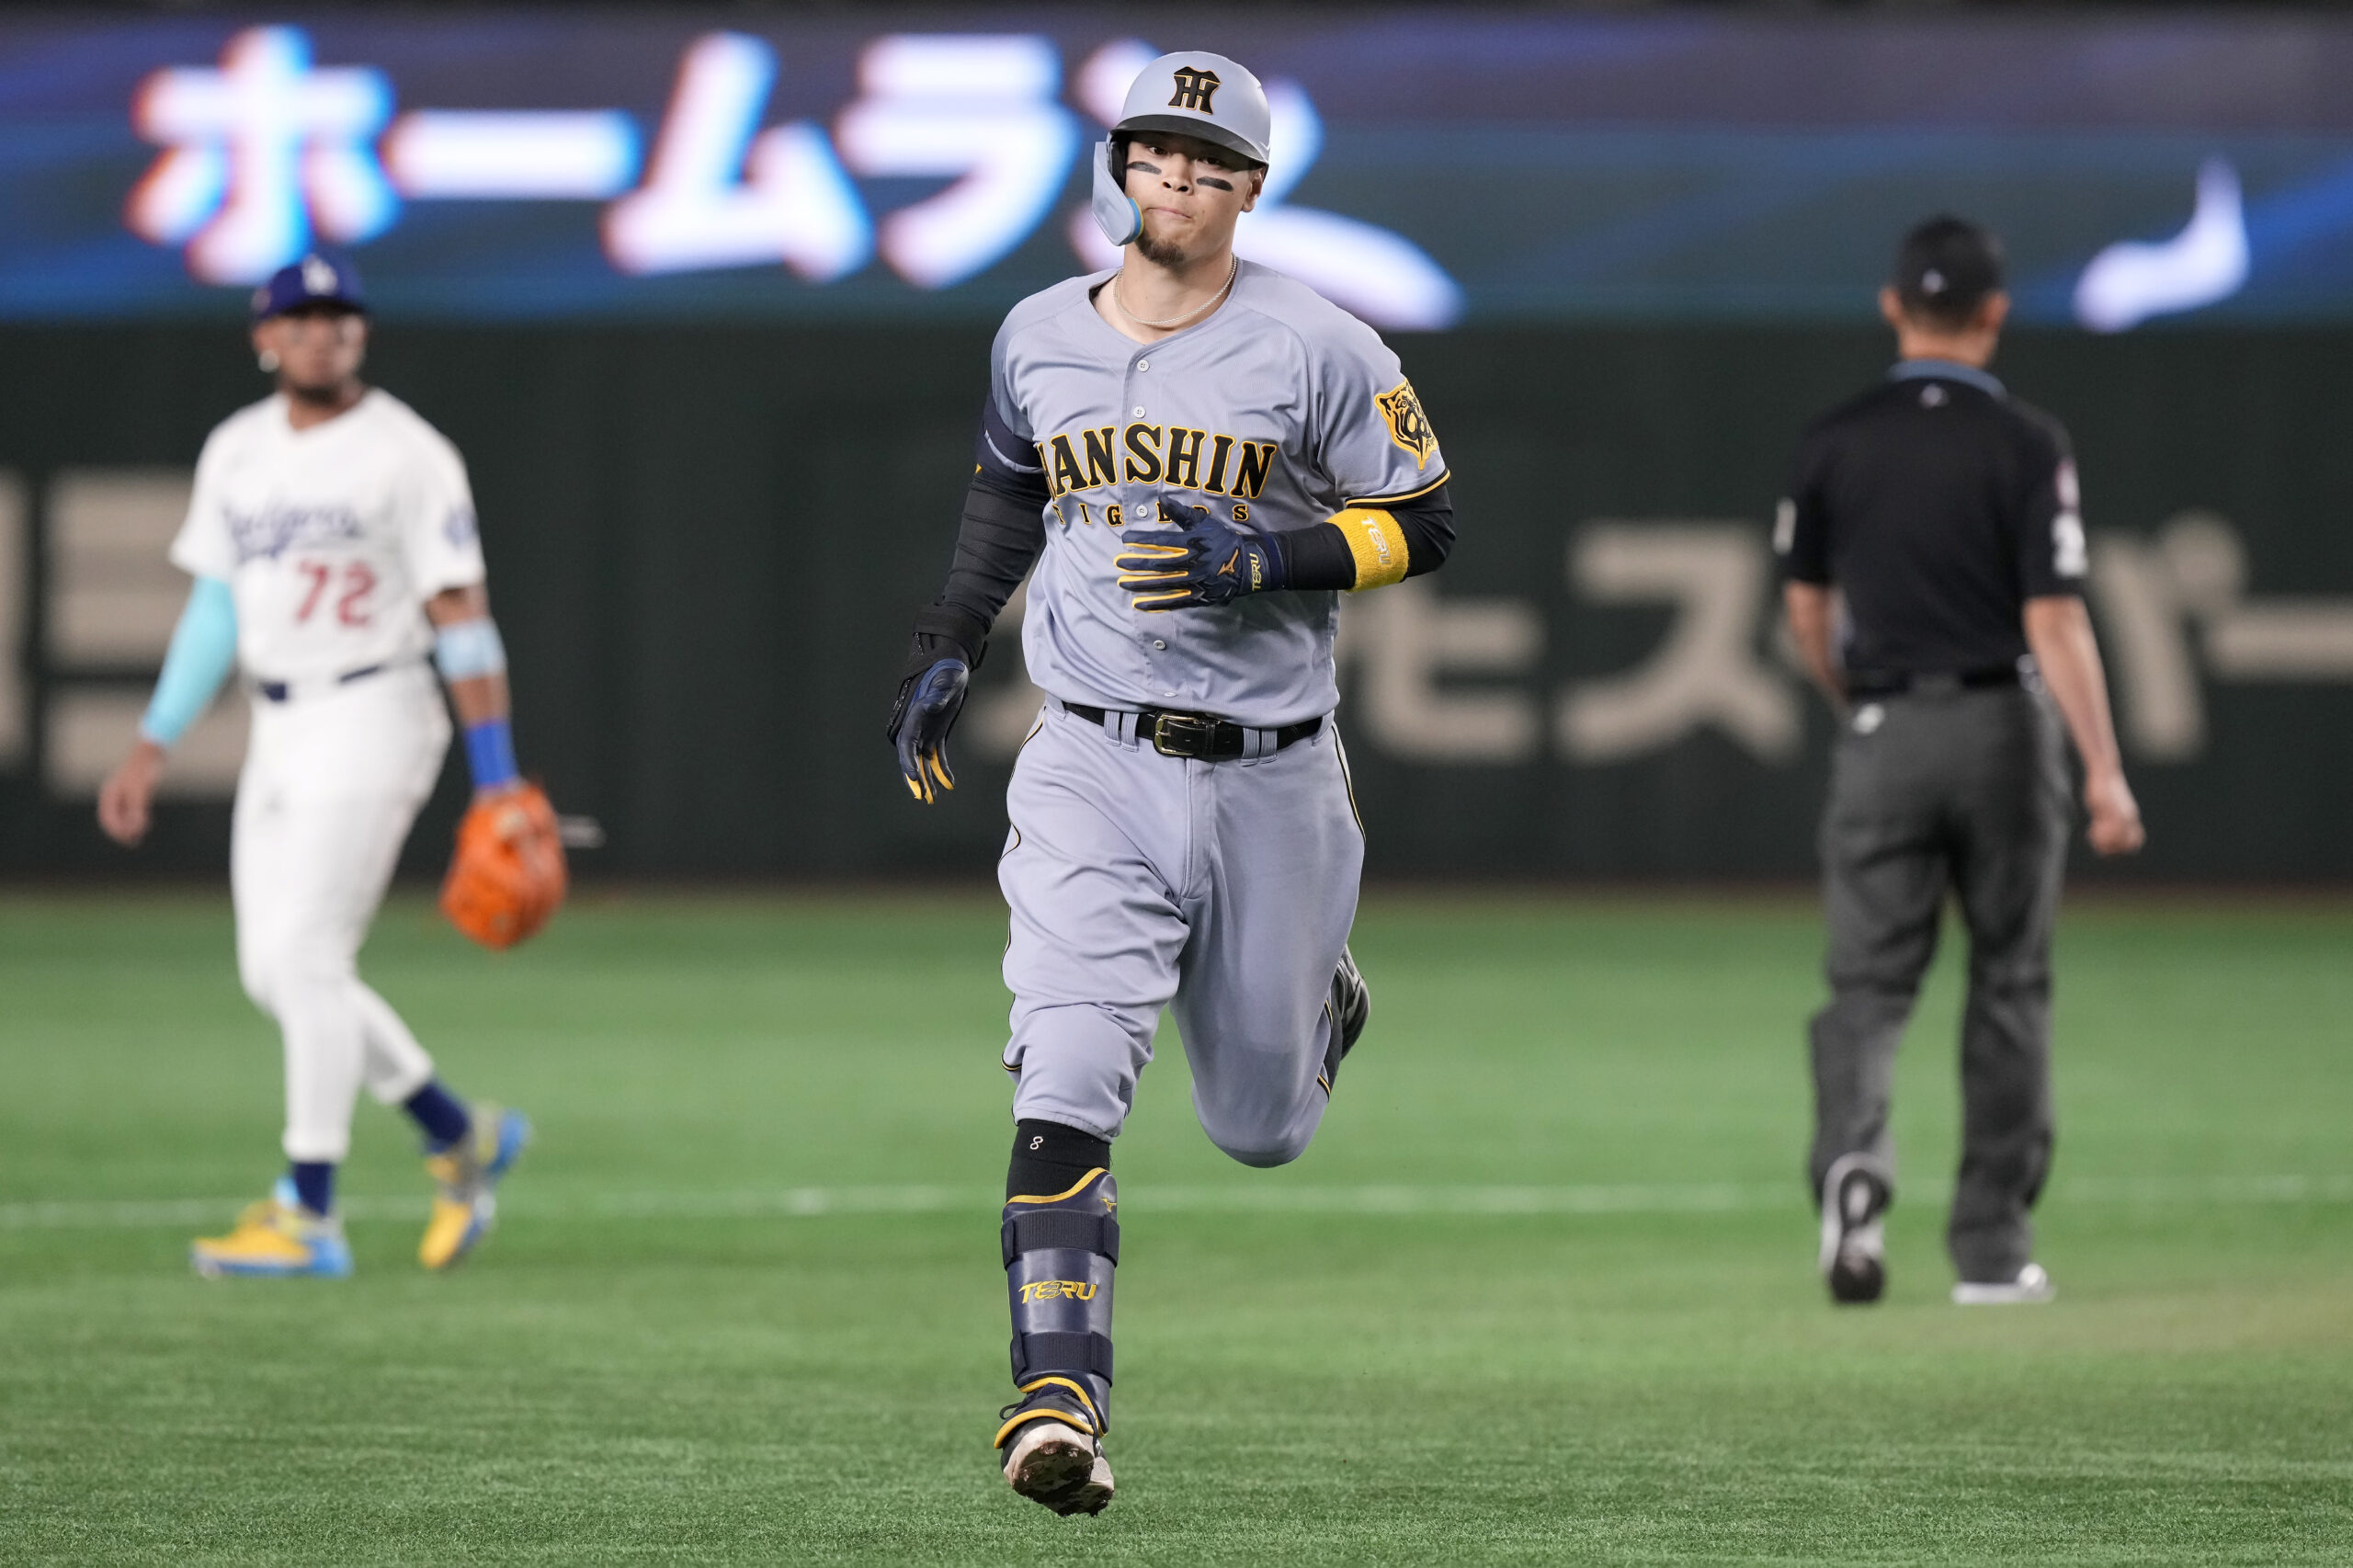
(1278, 410)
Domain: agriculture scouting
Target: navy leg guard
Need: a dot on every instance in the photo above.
(1059, 1255)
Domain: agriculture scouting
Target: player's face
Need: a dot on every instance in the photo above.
(318, 349)
(1190, 193)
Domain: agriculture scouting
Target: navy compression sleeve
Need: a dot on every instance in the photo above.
(998, 538)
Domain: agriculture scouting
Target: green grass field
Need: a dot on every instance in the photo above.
(1543, 1290)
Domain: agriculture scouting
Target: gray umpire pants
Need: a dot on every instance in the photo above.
(1966, 791)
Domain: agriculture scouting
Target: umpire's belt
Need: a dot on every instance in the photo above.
(1898, 682)
(1201, 736)
(282, 691)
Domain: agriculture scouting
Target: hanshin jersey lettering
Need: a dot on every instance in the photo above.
(1278, 410)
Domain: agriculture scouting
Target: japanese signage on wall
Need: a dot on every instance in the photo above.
(706, 547)
(1430, 168)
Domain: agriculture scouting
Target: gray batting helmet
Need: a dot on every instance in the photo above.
(1192, 93)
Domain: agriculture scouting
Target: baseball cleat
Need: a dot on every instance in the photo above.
(466, 1176)
(1052, 1457)
(2033, 1285)
(1854, 1248)
(1350, 1007)
(275, 1239)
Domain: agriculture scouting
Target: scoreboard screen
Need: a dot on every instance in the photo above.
(1431, 168)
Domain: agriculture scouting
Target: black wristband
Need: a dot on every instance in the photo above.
(1318, 557)
(958, 629)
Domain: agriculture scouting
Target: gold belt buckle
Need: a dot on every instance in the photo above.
(1183, 735)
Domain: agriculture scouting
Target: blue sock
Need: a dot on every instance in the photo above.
(441, 1114)
(314, 1184)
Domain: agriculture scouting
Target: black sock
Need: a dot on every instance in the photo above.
(1049, 1157)
(438, 1113)
(314, 1184)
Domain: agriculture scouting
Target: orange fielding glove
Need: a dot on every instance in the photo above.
(508, 877)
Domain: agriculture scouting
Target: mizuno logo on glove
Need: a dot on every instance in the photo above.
(1203, 560)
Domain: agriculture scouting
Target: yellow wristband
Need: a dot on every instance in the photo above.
(1376, 541)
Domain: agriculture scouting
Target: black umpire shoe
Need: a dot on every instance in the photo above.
(1854, 1249)
(1350, 1005)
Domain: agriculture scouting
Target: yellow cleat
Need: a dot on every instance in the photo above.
(275, 1239)
(465, 1177)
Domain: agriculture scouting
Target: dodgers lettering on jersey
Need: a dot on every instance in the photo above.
(332, 538)
(1278, 410)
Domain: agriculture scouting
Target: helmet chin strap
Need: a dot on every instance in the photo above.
(1116, 212)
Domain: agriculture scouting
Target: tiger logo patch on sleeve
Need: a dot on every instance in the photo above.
(1408, 425)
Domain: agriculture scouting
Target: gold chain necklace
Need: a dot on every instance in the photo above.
(1214, 300)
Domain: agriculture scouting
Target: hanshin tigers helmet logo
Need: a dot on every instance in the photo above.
(1408, 425)
(1195, 89)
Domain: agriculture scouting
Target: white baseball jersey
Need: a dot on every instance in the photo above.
(332, 538)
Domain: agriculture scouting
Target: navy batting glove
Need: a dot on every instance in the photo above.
(928, 706)
(1205, 560)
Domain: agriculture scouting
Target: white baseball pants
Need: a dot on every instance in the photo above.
(333, 778)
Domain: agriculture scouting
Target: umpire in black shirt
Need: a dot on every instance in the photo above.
(1944, 512)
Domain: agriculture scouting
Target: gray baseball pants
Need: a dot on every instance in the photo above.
(1224, 891)
(1966, 791)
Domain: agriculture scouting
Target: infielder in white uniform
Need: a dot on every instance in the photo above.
(1196, 454)
(331, 539)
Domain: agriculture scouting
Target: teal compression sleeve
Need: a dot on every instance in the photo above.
(203, 650)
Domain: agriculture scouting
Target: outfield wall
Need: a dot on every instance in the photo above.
(706, 543)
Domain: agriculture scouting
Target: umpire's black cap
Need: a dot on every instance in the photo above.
(1946, 267)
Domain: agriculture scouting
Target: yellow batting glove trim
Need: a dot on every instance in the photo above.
(1377, 542)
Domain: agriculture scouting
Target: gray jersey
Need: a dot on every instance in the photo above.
(1280, 410)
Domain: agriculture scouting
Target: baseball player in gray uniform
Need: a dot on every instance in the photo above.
(1196, 455)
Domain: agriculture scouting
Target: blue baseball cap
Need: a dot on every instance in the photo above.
(316, 279)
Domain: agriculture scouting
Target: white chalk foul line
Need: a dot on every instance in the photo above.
(1276, 1197)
